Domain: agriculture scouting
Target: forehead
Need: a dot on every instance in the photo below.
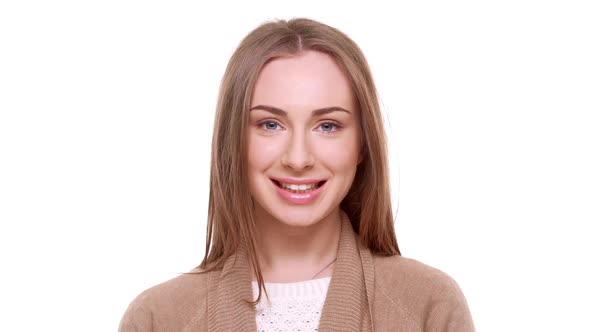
(309, 81)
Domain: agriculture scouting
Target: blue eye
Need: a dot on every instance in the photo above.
(269, 125)
(329, 127)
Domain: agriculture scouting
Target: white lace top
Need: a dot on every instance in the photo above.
(293, 306)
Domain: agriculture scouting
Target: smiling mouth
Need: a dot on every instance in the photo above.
(299, 188)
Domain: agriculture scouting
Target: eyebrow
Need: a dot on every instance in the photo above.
(317, 112)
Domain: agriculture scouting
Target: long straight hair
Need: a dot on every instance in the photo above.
(368, 202)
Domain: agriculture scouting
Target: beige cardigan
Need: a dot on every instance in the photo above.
(367, 293)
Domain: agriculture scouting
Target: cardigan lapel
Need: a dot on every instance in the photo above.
(347, 303)
(351, 289)
(229, 289)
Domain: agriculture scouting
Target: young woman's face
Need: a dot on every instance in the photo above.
(303, 138)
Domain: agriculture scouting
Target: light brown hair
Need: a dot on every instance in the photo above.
(368, 203)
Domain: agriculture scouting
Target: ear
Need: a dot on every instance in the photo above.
(361, 157)
(362, 149)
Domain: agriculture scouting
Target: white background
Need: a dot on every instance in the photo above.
(106, 115)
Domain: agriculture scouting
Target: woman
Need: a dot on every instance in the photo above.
(300, 233)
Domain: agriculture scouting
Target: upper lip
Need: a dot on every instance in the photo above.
(298, 181)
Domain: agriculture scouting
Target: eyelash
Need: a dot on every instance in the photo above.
(336, 127)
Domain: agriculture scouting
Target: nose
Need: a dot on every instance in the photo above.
(298, 155)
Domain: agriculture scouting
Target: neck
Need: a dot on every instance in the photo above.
(289, 253)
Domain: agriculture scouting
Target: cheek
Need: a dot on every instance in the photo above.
(262, 152)
(340, 155)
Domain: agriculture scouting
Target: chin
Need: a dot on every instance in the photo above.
(299, 216)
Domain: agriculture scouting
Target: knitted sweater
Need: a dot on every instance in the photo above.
(367, 293)
(292, 306)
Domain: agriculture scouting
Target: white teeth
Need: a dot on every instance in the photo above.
(298, 187)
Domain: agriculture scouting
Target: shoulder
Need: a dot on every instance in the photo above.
(427, 296)
(170, 305)
(394, 270)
